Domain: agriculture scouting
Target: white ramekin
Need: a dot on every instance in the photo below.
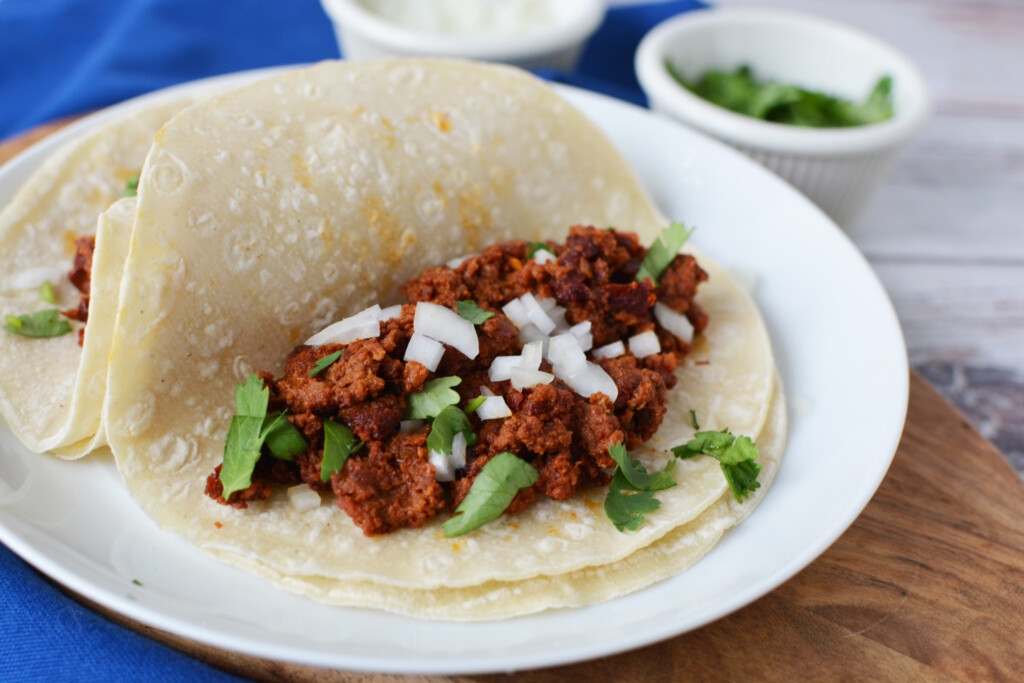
(365, 35)
(837, 168)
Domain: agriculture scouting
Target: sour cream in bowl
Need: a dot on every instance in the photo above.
(531, 34)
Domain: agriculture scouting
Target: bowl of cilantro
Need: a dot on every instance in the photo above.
(825, 106)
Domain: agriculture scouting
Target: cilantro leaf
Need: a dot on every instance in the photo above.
(131, 188)
(736, 456)
(245, 436)
(339, 443)
(281, 437)
(539, 246)
(474, 404)
(473, 313)
(638, 477)
(252, 398)
(40, 324)
(46, 292)
(661, 253)
(500, 479)
(325, 362)
(625, 506)
(445, 426)
(693, 419)
(437, 394)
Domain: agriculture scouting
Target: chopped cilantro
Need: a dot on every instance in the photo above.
(46, 292)
(500, 479)
(661, 253)
(693, 419)
(325, 362)
(630, 493)
(473, 313)
(136, 582)
(131, 188)
(740, 91)
(474, 404)
(40, 324)
(282, 438)
(445, 426)
(736, 456)
(437, 394)
(539, 246)
(245, 436)
(339, 443)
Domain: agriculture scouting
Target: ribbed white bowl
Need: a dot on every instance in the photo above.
(838, 168)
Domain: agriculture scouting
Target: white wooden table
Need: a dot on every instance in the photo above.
(946, 232)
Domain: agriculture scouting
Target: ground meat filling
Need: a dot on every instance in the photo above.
(81, 277)
(390, 484)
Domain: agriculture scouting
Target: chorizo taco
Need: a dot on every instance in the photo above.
(62, 267)
(279, 228)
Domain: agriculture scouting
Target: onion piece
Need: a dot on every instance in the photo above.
(644, 344)
(486, 392)
(516, 312)
(543, 256)
(492, 408)
(589, 379)
(33, 278)
(424, 350)
(676, 323)
(446, 326)
(583, 335)
(548, 303)
(362, 325)
(564, 352)
(523, 378)
(531, 355)
(458, 457)
(390, 312)
(537, 315)
(303, 498)
(501, 368)
(613, 350)
(443, 470)
(459, 260)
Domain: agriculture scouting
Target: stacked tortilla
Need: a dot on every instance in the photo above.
(267, 212)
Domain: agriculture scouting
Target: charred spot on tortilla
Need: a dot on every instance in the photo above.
(487, 362)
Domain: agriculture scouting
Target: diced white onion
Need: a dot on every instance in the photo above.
(543, 256)
(493, 408)
(446, 326)
(406, 426)
(390, 312)
(32, 278)
(425, 350)
(530, 333)
(531, 355)
(458, 458)
(303, 498)
(589, 379)
(537, 315)
(484, 391)
(501, 368)
(362, 325)
(582, 333)
(443, 470)
(557, 315)
(644, 344)
(547, 303)
(674, 322)
(523, 378)
(565, 352)
(613, 350)
(516, 312)
(456, 262)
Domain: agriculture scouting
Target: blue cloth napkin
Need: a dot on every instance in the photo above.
(62, 57)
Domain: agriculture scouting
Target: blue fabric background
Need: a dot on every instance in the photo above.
(61, 57)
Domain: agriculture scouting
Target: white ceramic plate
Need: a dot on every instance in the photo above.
(842, 359)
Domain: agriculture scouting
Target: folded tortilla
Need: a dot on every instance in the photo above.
(266, 213)
(52, 390)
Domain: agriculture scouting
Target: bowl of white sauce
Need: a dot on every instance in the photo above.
(533, 34)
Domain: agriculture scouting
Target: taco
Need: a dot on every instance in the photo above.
(53, 365)
(271, 212)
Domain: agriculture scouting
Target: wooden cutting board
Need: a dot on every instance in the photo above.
(928, 583)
